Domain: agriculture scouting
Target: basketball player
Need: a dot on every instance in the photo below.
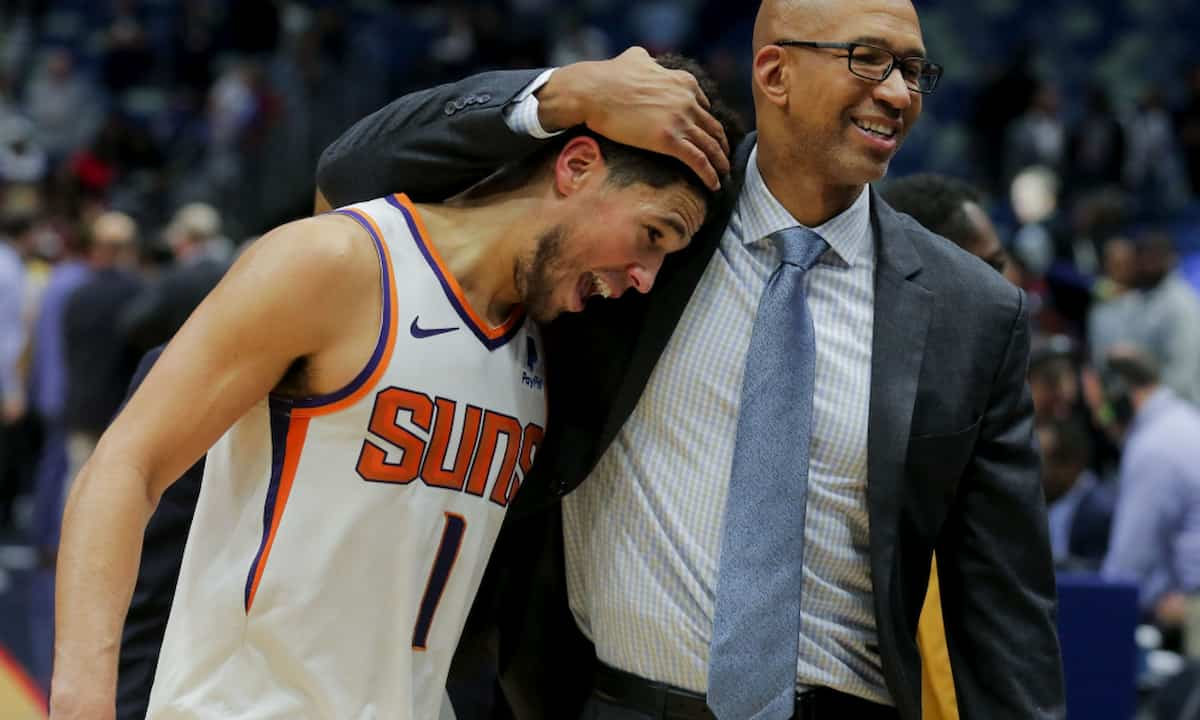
(371, 385)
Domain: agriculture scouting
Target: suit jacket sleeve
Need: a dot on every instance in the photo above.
(997, 576)
(429, 144)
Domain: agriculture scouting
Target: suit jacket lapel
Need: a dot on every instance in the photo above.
(665, 304)
(902, 314)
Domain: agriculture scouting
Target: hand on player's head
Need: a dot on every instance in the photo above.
(618, 208)
(666, 105)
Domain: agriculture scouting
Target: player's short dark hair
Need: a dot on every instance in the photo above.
(936, 201)
(626, 165)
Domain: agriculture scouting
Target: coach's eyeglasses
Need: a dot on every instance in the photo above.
(876, 63)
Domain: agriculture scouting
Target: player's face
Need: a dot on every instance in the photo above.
(843, 128)
(614, 239)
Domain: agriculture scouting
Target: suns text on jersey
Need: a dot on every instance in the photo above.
(424, 455)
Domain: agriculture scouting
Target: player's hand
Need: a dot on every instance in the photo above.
(631, 99)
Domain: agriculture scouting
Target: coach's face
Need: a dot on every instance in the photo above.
(605, 239)
(833, 125)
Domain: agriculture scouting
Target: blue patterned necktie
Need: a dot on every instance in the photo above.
(756, 624)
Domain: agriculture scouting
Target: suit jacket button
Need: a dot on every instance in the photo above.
(484, 98)
(449, 109)
(460, 103)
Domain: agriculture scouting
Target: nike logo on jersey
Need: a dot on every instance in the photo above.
(421, 333)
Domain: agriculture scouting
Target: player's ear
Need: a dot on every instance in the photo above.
(578, 163)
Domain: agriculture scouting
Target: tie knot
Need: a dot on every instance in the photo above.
(799, 246)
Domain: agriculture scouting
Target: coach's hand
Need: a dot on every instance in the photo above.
(633, 100)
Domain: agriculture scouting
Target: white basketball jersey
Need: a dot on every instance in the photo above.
(339, 540)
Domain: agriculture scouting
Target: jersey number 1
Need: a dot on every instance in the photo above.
(443, 563)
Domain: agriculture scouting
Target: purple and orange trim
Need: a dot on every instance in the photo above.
(491, 337)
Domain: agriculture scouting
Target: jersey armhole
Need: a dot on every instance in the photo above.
(353, 391)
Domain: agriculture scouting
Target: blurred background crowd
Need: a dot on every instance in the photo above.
(142, 142)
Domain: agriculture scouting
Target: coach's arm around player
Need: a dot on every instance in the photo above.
(631, 97)
(237, 347)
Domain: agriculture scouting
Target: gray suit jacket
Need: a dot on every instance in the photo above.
(952, 464)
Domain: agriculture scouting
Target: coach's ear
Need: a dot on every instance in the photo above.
(579, 163)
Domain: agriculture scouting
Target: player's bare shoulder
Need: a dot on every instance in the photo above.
(330, 250)
(332, 268)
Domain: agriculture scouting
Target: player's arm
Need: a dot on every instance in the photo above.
(435, 143)
(276, 304)
(994, 563)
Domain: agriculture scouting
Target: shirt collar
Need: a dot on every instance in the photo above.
(848, 233)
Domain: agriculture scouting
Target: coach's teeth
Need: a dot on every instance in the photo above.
(875, 128)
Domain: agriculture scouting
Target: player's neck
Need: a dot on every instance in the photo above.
(479, 244)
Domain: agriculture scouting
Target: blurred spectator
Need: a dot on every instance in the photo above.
(128, 61)
(99, 366)
(454, 51)
(193, 47)
(242, 107)
(951, 208)
(1096, 216)
(201, 257)
(660, 26)
(1116, 302)
(108, 167)
(8, 104)
(576, 41)
(63, 106)
(1053, 379)
(1154, 171)
(1168, 316)
(1156, 529)
(1096, 149)
(1034, 195)
(1000, 102)
(12, 343)
(22, 160)
(1079, 507)
(48, 389)
(1188, 125)
(1038, 136)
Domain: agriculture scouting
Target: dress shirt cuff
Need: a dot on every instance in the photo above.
(521, 115)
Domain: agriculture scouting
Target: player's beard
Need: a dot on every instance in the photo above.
(536, 277)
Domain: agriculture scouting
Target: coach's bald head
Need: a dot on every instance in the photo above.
(825, 131)
(781, 18)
